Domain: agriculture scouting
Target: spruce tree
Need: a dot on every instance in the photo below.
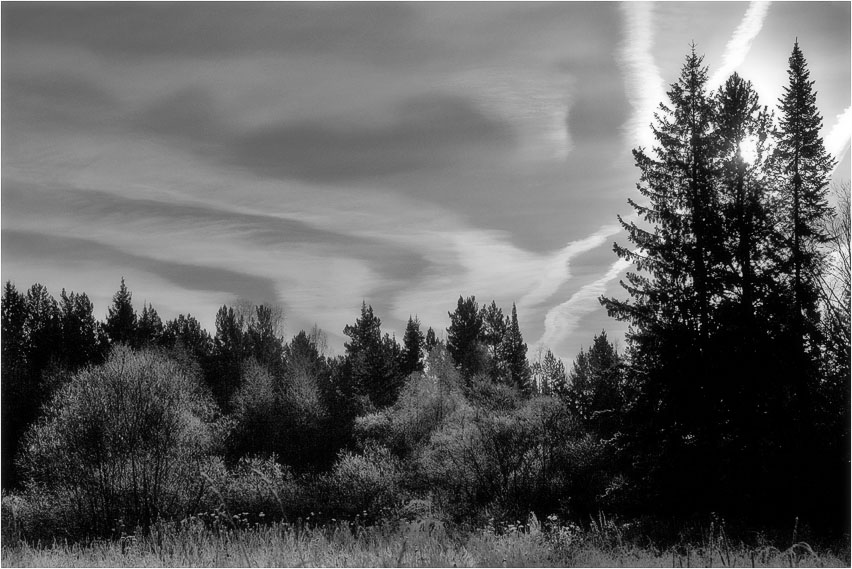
(548, 375)
(81, 343)
(431, 340)
(463, 337)
(16, 399)
(413, 342)
(495, 327)
(120, 324)
(804, 170)
(372, 359)
(263, 343)
(230, 350)
(186, 333)
(149, 328)
(678, 256)
(514, 355)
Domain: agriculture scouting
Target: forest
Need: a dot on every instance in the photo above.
(725, 417)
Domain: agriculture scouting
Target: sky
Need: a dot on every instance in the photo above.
(314, 156)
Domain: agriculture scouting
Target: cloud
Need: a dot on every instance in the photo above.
(562, 320)
(177, 30)
(426, 132)
(837, 140)
(642, 76)
(740, 43)
(556, 271)
(53, 248)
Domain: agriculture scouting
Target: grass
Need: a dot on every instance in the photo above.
(419, 543)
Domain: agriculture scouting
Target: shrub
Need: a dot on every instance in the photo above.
(257, 489)
(125, 440)
(370, 482)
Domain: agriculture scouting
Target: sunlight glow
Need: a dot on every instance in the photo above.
(749, 150)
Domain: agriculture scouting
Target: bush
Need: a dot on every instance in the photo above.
(256, 489)
(123, 442)
(370, 482)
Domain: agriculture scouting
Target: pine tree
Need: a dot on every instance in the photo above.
(803, 170)
(302, 356)
(120, 325)
(230, 350)
(495, 327)
(372, 359)
(431, 339)
(413, 342)
(263, 343)
(463, 336)
(81, 341)
(186, 333)
(16, 397)
(805, 167)
(744, 131)
(548, 375)
(14, 337)
(678, 258)
(149, 328)
(514, 354)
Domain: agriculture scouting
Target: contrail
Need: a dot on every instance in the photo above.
(557, 270)
(562, 319)
(740, 43)
(642, 76)
(837, 140)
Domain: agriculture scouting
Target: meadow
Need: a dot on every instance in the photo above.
(422, 542)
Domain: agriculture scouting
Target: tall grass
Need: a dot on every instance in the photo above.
(425, 542)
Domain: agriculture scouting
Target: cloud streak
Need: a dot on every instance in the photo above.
(837, 140)
(740, 43)
(562, 320)
(642, 76)
(556, 271)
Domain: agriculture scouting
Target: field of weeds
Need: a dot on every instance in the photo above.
(418, 543)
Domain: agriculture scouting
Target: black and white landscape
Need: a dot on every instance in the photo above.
(426, 283)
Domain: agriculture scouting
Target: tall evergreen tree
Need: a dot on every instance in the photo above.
(805, 167)
(548, 375)
(14, 337)
(120, 324)
(678, 257)
(302, 356)
(495, 327)
(372, 359)
(413, 341)
(594, 391)
(264, 344)
(81, 334)
(431, 340)
(17, 390)
(514, 354)
(33, 322)
(230, 350)
(463, 336)
(186, 333)
(149, 328)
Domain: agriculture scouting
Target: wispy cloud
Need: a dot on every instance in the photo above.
(556, 271)
(562, 320)
(837, 140)
(642, 76)
(740, 43)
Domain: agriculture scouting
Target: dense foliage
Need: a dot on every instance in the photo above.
(732, 396)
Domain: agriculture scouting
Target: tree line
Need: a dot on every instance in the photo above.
(732, 395)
